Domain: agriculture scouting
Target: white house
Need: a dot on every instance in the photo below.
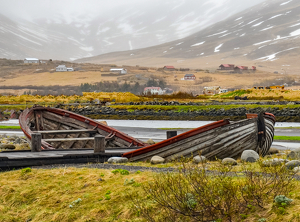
(120, 71)
(31, 60)
(223, 90)
(154, 90)
(63, 68)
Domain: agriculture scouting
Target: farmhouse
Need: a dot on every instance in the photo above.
(63, 68)
(211, 90)
(169, 68)
(154, 91)
(226, 67)
(184, 69)
(240, 68)
(189, 77)
(120, 71)
(31, 60)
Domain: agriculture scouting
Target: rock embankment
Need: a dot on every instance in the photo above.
(283, 115)
(8, 143)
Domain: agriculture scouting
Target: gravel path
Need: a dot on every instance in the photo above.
(107, 166)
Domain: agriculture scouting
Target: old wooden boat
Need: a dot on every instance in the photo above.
(62, 129)
(220, 139)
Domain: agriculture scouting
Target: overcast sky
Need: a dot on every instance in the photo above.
(35, 9)
(46, 8)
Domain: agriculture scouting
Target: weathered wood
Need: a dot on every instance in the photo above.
(36, 142)
(171, 134)
(75, 131)
(99, 144)
(68, 139)
(200, 141)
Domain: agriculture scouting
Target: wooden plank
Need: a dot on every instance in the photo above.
(99, 144)
(75, 131)
(203, 140)
(68, 139)
(36, 140)
(212, 148)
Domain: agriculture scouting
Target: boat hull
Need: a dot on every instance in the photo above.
(42, 119)
(217, 140)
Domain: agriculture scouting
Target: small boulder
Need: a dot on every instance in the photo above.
(199, 159)
(273, 162)
(292, 164)
(150, 142)
(296, 169)
(157, 160)
(229, 161)
(250, 156)
(117, 160)
(273, 151)
(8, 146)
(293, 155)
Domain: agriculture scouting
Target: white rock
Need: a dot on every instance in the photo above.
(157, 160)
(229, 161)
(117, 160)
(292, 164)
(250, 156)
(199, 159)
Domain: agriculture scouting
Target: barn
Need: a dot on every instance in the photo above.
(120, 71)
(189, 77)
(226, 67)
(31, 60)
(169, 68)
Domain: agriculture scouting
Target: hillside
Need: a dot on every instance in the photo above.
(91, 28)
(267, 35)
(17, 77)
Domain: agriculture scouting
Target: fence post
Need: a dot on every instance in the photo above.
(36, 142)
(171, 134)
(99, 144)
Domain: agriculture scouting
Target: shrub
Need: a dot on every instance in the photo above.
(282, 200)
(194, 194)
(26, 170)
(121, 171)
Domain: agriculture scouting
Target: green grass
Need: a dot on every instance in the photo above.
(290, 127)
(292, 138)
(186, 108)
(10, 127)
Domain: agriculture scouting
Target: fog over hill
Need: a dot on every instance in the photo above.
(267, 35)
(73, 29)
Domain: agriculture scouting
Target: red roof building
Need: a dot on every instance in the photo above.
(189, 77)
(226, 66)
(153, 90)
(171, 68)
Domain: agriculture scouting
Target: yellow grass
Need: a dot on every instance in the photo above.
(46, 195)
(25, 99)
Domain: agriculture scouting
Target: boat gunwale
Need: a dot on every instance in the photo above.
(61, 112)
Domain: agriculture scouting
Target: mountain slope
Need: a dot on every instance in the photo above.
(266, 35)
(51, 31)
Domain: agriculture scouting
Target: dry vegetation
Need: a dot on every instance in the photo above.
(87, 194)
(18, 77)
(86, 97)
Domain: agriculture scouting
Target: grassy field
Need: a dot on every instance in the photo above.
(86, 194)
(186, 108)
(290, 138)
(10, 127)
